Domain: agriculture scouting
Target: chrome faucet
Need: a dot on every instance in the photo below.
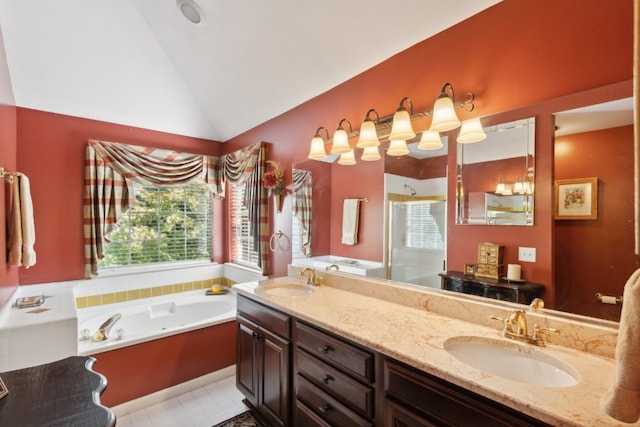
(310, 274)
(515, 327)
(332, 267)
(102, 334)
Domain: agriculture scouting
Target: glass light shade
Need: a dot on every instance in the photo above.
(368, 135)
(500, 188)
(340, 142)
(401, 128)
(518, 187)
(444, 115)
(317, 151)
(471, 131)
(430, 140)
(370, 154)
(347, 158)
(398, 147)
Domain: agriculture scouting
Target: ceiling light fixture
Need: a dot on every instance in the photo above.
(191, 10)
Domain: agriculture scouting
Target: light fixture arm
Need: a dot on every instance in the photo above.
(348, 122)
(401, 107)
(366, 116)
(318, 132)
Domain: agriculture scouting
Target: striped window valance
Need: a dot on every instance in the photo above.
(301, 206)
(110, 169)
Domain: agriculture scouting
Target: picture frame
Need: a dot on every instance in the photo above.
(576, 199)
(3, 389)
(469, 269)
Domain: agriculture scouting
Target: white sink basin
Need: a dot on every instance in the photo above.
(512, 361)
(286, 289)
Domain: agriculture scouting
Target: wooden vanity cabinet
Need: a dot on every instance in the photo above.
(410, 397)
(333, 380)
(263, 360)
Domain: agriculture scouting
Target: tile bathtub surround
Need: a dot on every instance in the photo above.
(592, 336)
(155, 291)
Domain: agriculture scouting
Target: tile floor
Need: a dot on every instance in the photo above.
(202, 407)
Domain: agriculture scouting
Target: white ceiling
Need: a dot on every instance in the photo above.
(141, 63)
(595, 117)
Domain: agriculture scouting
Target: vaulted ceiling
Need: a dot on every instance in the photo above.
(143, 63)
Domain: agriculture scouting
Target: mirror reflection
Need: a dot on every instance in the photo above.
(496, 176)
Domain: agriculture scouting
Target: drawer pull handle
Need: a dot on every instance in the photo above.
(324, 349)
(325, 379)
(324, 409)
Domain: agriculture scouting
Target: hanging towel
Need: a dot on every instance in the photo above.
(622, 401)
(22, 235)
(350, 214)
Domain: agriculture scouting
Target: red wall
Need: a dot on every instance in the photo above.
(51, 149)
(8, 143)
(596, 255)
(516, 54)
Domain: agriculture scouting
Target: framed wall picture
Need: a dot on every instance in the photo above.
(576, 198)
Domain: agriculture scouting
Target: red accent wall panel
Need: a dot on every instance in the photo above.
(605, 245)
(152, 366)
(51, 149)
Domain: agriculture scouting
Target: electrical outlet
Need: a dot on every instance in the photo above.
(527, 254)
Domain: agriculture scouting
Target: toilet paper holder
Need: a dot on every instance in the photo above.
(608, 299)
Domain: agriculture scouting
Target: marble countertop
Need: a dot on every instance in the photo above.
(417, 336)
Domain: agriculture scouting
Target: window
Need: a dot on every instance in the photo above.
(242, 250)
(423, 231)
(166, 224)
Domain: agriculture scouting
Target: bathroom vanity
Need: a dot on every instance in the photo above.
(359, 353)
(61, 393)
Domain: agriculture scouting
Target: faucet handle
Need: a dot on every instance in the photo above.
(537, 336)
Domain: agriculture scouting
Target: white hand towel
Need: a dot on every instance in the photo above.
(28, 228)
(622, 402)
(15, 227)
(350, 214)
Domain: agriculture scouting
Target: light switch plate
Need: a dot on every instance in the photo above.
(527, 254)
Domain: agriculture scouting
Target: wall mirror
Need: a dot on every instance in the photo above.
(496, 176)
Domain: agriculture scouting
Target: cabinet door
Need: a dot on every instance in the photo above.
(274, 396)
(247, 366)
(398, 416)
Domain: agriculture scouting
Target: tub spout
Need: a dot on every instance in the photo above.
(102, 334)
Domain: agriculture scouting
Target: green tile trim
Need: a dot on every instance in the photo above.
(155, 291)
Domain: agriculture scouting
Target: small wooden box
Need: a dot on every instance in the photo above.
(490, 262)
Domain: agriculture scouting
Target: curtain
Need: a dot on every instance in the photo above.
(110, 169)
(246, 166)
(301, 206)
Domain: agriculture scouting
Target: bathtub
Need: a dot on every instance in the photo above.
(153, 318)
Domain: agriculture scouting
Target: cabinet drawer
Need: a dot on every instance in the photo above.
(343, 355)
(264, 316)
(326, 407)
(304, 416)
(446, 404)
(352, 393)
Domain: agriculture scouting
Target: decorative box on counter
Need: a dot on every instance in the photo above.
(490, 263)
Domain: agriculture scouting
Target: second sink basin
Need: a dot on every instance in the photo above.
(512, 361)
(292, 289)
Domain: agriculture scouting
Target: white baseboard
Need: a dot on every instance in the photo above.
(171, 392)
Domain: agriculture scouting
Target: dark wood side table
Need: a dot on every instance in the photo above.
(62, 393)
(521, 292)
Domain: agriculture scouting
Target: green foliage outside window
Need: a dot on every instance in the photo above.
(164, 225)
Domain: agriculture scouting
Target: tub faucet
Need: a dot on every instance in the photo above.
(102, 334)
(332, 267)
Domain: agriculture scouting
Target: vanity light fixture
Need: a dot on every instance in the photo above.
(317, 151)
(518, 187)
(444, 112)
(471, 131)
(368, 132)
(401, 128)
(500, 188)
(341, 139)
(347, 159)
(370, 154)
(430, 140)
